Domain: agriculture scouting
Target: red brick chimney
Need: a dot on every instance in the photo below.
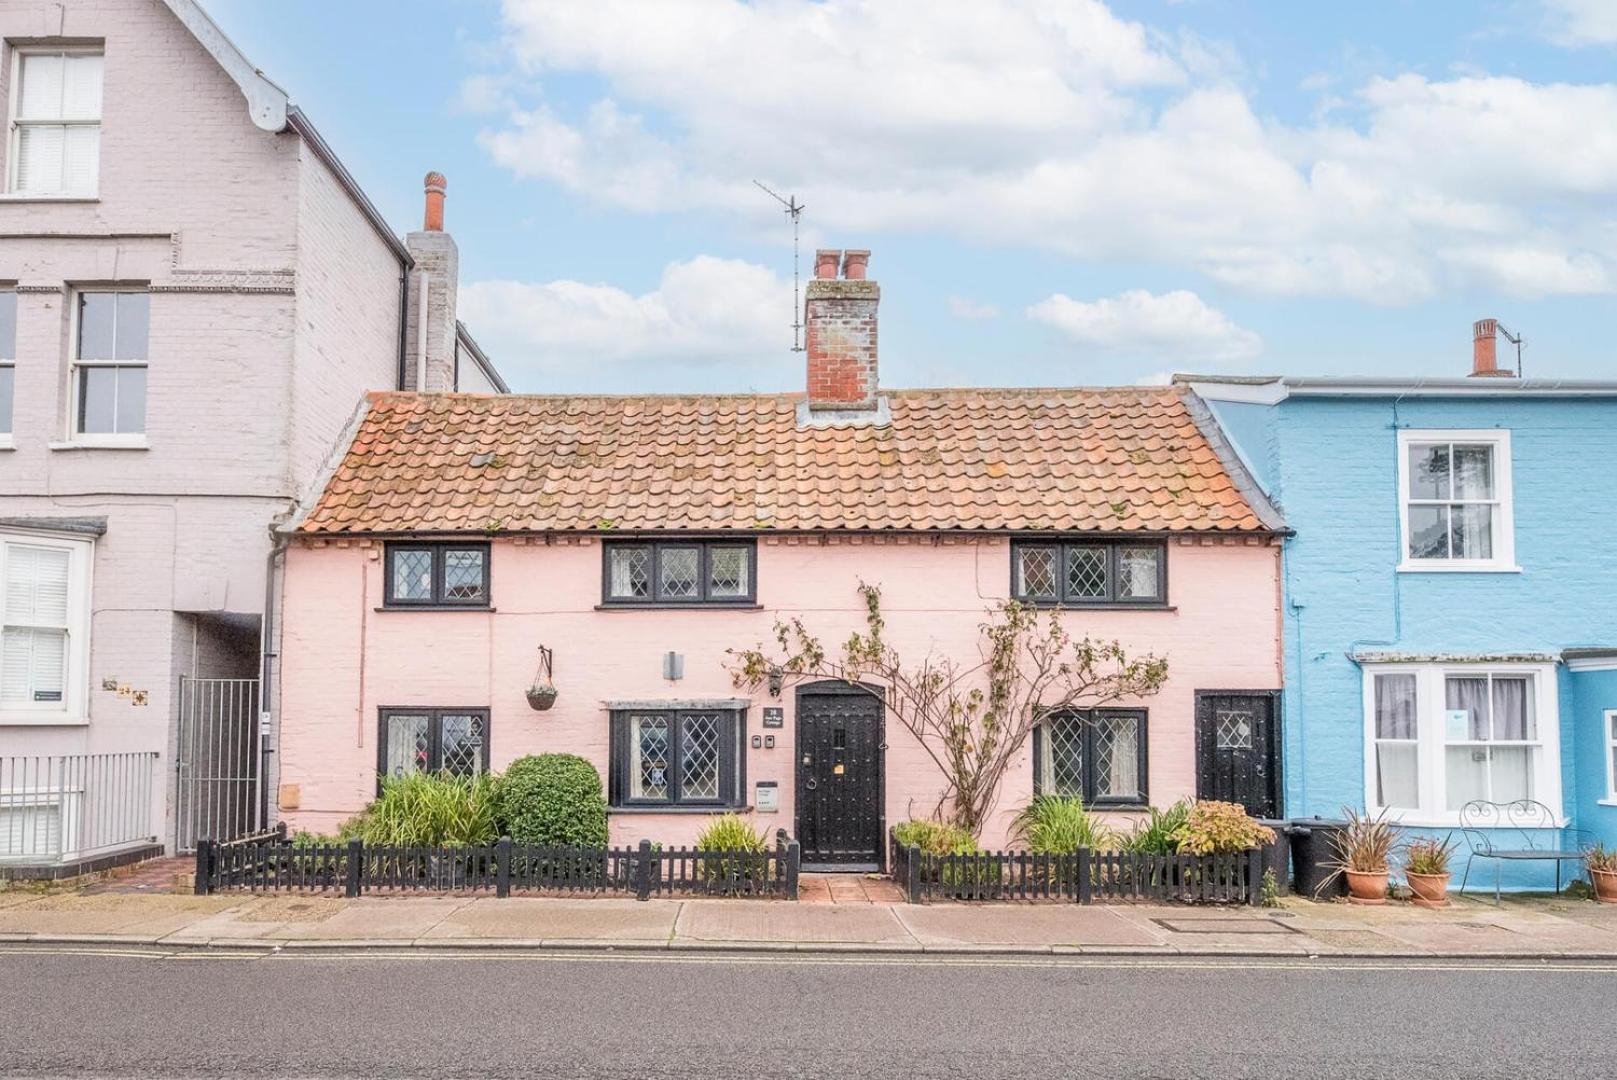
(841, 318)
(1485, 351)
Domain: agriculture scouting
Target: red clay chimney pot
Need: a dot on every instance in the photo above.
(434, 218)
(825, 263)
(1484, 355)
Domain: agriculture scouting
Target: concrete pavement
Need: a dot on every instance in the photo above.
(1471, 928)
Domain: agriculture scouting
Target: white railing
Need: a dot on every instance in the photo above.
(66, 807)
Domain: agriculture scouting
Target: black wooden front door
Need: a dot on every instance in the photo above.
(1238, 749)
(839, 777)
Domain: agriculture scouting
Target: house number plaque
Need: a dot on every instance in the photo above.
(774, 716)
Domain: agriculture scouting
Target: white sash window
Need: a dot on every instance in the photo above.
(56, 122)
(44, 622)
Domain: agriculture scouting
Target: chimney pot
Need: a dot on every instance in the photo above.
(825, 264)
(434, 217)
(1484, 350)
(854, 264)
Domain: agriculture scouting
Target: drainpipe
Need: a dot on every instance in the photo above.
(404, 323)
(267, 655)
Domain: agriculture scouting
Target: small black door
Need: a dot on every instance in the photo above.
(839, 777)
(1238, 749)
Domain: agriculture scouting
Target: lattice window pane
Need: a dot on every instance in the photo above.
(409, 744)
(699, 756)
(631, 573)
(412, 575)
(465, 575)
(1036, 573)
(1064, 751)
(678, 568)
(1234, 729)
(1138, 576)
(648, 757)
(1117, 757)
(1086, 573)
(727, 571)
(461, 739)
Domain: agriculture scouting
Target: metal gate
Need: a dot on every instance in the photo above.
(217, 767)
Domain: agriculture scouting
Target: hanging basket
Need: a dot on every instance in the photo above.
(542, 694)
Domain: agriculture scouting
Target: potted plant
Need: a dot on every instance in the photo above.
(1602, 863)
(1364, 850)
(1426, 868)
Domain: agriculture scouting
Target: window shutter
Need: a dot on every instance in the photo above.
(81, 87)
(42, 77)
(39, 158)
(36, 586)
(81, 160)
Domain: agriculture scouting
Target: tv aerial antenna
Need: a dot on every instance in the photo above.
(1516, 340)
(794, 210)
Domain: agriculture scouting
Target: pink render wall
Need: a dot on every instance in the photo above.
(343, 659)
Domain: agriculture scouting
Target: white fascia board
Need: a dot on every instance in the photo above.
(266, 102)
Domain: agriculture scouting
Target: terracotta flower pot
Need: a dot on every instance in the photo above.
(1431, 890)
(1367, 888)
(1605, 885)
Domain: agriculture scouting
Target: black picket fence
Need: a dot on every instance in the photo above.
(1081, 876)
(268, 862)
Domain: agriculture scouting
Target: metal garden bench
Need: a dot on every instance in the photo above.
(1520, 831)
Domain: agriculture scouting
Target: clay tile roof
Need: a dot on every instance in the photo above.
(1106, 460)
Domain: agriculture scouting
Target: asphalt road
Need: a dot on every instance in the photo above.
(68, 1012)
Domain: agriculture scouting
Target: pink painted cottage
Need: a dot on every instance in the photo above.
(640, 537)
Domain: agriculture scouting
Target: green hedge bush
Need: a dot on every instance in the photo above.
(553, 799)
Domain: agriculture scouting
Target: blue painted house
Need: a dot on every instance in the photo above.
(1450, 596)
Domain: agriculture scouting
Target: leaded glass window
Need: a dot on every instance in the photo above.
(676, 757)
(677, 572)
(437, 575)
(453, 741)
(1095, 755)
(1089, 572)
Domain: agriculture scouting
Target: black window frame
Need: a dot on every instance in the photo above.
(438, 549)
(1086, 718)
(732, 761)
(705, 546)
(1114, 546)
(435, 734)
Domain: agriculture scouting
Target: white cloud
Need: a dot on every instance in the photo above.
(964, 308)
(1175, 325)
(1057, 124)
(705, 311)
(1581, 22)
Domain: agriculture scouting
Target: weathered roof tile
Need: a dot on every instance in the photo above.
(1082, 460)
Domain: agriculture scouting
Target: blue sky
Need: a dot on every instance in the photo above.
(1054, 191)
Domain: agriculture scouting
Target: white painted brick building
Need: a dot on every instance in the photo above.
(199, 295)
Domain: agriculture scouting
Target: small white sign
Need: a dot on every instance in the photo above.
(1459, 725)
(767, 800)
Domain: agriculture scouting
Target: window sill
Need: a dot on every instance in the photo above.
(687, 810)
(27, 719)
(1459, 568)
(29, 197)
(6, 443)
(1043, 605)
(103, 442)
(487, 609)
(1606, 802)
(679, 607)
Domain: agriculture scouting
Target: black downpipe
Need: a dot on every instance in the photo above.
(404, 319)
